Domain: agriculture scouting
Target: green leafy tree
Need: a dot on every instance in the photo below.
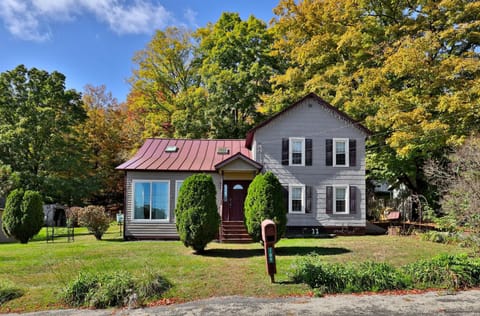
(409, 70)
(23, 215)
(37, 136)
(235, 66)
(105, 142)
(196, 213)
(265, 201)
(165, 70)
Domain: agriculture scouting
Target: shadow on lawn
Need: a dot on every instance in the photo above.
(280, 251)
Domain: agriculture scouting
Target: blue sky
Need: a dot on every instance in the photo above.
(93, 41)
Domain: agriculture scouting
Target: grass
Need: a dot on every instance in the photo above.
(43, 269)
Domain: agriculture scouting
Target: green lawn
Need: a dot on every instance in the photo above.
(43, 269)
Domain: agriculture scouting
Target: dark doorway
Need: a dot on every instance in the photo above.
(234, 194)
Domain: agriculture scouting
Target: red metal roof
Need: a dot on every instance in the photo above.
(192, 154)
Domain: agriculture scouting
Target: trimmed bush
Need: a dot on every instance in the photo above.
(23, 215)
(8, 291)
(265, 201)
(196, 212)
(95, 219)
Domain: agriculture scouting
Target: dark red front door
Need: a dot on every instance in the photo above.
(234, 194)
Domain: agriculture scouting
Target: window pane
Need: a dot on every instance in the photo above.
(297, 146)
(340, 157)
(178, 185)
(297, 152)
(296, 206)
(340, 147)
(238, 187)
(296, 158)
(296, 199)
(296, 193)
(225, 192)
(340, 200)
(340, 207)
(159, 200)
(141, 200)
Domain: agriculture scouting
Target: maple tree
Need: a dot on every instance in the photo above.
(408, 70)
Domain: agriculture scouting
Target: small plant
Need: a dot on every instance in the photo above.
(114, 289)
(94, 218)
(8, 291)
(23, 215)
(196, 212)
(151, 285)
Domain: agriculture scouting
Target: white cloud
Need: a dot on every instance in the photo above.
(28, 19)
(191, 17)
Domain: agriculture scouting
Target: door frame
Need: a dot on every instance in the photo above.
(226, 205)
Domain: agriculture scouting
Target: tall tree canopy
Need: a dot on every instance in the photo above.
(165, 70)
(105, 142)
(207, 84)
(235, 68)
(409, 70)
(37, 136)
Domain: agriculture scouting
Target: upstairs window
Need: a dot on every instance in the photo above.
(297, 151)
(340, 152)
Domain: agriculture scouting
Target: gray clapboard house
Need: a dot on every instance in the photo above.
(316, 151)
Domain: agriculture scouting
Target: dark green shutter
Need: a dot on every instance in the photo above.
(352, 152)
(353, 200)
(308, 152)
(308, 199)
(285, 144)
(329, 152)
(329, 200)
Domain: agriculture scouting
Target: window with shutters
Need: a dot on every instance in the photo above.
(341, 201)
(340, 152)
(296, 202)
(297, 151)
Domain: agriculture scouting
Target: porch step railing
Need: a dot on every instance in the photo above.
(234, 232)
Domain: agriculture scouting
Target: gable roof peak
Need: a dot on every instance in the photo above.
(328, 106)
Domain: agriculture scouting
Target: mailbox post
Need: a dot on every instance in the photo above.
(269, 237)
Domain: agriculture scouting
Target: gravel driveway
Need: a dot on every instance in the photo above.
(430, 303)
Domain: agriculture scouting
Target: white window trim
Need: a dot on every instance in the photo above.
(176, 198)
(176, 192)
(347, 199)
(290, 188)
(290, 151)
(133, 202)
(347, 158)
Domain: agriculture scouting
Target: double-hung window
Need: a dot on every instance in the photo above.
(340, 152)
(151, 200)
(297, 151)
(340, 205)
(296, 203)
